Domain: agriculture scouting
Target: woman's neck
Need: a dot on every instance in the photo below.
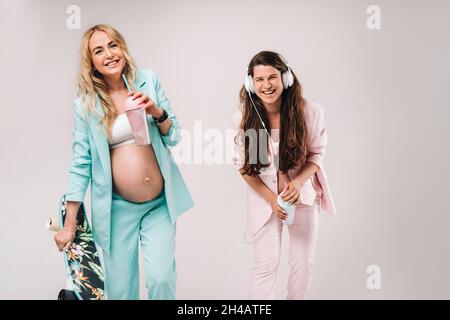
(114, 84)
(273, 114)
(273, 109)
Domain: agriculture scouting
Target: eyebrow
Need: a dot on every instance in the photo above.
(272, 75)
(97, 47)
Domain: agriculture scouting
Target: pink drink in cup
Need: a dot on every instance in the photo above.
(137, 118)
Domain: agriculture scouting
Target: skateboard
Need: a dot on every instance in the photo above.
(82, 261)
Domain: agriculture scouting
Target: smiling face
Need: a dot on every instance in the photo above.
(107, 55)
(268, 85)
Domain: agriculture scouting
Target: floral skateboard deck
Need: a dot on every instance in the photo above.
(82, 260)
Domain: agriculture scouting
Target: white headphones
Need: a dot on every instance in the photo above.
(286, 77)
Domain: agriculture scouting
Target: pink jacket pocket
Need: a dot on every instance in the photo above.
(307, 193)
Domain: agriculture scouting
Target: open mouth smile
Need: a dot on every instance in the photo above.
(112, 63)
(268, 92)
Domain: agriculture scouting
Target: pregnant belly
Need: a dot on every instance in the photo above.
(135, 172)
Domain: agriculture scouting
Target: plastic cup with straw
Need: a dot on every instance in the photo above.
(137, 118)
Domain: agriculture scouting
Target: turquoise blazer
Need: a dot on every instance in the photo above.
(91, 161)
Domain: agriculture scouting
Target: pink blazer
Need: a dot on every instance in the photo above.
(258, 210)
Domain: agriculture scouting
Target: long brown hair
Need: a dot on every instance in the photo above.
(293, 133)
(91, 83)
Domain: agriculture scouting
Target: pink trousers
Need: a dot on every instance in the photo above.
(266, 255)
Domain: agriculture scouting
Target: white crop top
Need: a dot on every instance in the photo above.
(121, 132)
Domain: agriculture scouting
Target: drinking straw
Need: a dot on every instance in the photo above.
(126, 82)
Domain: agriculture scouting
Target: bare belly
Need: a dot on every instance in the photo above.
(135, 172)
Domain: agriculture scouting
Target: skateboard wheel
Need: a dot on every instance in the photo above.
(67, 295)
(52, 224)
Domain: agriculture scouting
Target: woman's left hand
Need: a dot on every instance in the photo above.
(291, 192)
(150, 106)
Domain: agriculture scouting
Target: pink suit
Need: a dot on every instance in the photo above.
(264, 227)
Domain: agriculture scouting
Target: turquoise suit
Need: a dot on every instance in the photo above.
(91, 163)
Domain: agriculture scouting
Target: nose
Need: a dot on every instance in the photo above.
(108, 53)
(267, 84)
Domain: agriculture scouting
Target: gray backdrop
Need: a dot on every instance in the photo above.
(385, 96)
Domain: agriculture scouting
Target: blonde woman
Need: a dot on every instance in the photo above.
(137, 192)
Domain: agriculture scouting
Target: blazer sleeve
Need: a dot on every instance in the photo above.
(172, 138)
(80, 166)
(318, 136)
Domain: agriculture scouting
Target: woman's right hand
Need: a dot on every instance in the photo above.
(277, 209)
(64, 238)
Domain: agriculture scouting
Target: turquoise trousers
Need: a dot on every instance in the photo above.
(147, 223)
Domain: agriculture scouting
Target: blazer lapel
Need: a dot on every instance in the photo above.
(100, 140)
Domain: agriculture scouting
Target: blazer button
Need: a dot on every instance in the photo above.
(274, 180)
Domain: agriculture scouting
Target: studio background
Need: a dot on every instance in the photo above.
(385, 97)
